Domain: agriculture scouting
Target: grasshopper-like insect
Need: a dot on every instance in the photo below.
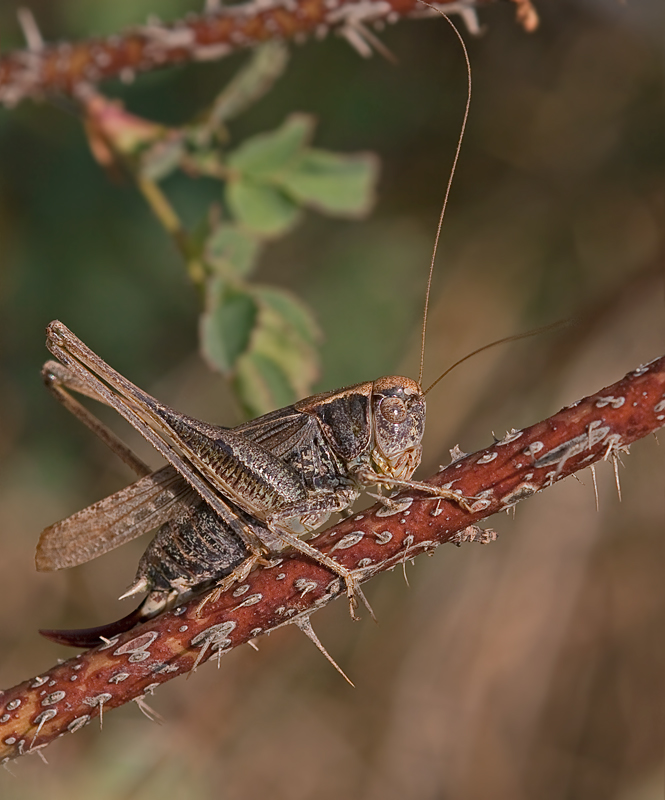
(229, 497)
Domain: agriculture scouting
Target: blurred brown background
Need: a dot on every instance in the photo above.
(531, 668)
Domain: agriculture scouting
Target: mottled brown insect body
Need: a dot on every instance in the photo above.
(231, 496)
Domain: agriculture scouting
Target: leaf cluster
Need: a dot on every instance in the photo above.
(263, 338)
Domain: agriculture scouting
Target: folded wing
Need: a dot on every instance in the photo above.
(113, 521)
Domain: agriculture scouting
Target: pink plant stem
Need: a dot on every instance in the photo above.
(67, 696)
(68, 66)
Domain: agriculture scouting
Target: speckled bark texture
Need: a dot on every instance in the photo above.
(66, 697)
(69, 66)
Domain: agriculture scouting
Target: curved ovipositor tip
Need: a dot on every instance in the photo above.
(92, 637)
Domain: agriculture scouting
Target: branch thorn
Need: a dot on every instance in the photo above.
(305, 626)
(28, 23)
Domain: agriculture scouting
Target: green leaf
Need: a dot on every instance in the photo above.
(264, 155)
(281, 362)
(227, 324)
(263, 209)
(266, 65)
(231, 251)
(278, 339)
(261, 385)
(292, 310)
(333, 183)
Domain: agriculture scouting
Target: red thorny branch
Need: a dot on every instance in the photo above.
(67, 696)
(69, 67)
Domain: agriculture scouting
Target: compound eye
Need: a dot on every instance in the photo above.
(393, 410)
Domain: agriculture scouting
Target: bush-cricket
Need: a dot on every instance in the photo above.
(230, 497)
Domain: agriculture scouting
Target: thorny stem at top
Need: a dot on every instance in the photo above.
(67, 696)
(70, 67)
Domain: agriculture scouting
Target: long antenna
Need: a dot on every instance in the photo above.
(450, 183)
(513, 338)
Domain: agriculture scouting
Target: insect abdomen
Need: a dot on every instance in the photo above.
(193, 549)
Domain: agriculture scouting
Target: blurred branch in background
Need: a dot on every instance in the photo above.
(69, 66)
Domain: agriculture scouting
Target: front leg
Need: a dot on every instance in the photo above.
(353, 590)
(367, 476)
(312, 512)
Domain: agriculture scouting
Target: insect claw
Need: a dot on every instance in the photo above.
(237, 576)
(467, 506)
(465, 503)
(354, 592)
